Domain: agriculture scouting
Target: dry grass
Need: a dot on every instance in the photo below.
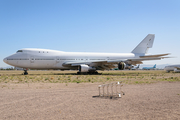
(128, 77)
(56, 95)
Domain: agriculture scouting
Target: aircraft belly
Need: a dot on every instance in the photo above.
(22, 64)
(13, 62)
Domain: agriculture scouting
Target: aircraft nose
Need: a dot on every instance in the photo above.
(5, 60)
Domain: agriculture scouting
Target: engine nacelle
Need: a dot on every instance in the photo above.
(121, 66)
(86, 68)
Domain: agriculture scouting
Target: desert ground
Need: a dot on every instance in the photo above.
(53, 95)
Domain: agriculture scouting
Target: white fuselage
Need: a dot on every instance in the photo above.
(172, 68)
(51, 59)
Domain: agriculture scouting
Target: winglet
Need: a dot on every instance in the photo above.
(145, 44)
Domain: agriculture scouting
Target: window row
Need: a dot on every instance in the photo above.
(43, 59)
(53, 59)
(17, 59)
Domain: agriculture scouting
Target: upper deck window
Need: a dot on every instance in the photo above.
(19, 51)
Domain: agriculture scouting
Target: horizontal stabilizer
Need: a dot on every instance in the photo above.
(152, 56)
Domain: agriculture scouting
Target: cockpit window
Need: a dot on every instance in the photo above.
(19, 51)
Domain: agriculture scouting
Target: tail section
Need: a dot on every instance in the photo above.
(138, 66)
(144, 45)
(154, 66)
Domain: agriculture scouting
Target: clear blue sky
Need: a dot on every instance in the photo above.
(90, 26)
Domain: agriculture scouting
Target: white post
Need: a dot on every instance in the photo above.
(112, 88)
(107, 89)
(116, 89)
(103, 90)
(99, 90)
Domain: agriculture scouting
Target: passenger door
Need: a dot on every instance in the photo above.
(57, 59)
(32, 59)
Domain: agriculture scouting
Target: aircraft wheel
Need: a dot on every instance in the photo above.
(25, 72)
(96, 72)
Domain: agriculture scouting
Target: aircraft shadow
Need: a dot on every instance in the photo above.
(106, 97)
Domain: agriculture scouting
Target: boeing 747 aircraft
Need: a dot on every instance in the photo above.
(149, 68)
(81, 61)
(135, 68)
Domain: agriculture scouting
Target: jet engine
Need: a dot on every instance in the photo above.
(121, 66)
(86, 68)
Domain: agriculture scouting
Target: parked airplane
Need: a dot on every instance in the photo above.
(135, 68)
(18, 68)
(149, 68)
(82, 61)
(175, 68)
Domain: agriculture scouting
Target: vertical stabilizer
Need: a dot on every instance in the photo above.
(145, 44)
(154, 66)
(138, 67)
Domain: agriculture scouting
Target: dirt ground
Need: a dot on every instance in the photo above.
(48, 101)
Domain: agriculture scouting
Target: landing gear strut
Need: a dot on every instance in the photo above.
(25, 72)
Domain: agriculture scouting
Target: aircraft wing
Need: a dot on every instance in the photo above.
(109, 64)
(82, 62)
(101, 65)
(97, 62)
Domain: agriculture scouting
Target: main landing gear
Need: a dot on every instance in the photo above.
(25, 72)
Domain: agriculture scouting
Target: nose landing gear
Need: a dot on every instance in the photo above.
(25, 72)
